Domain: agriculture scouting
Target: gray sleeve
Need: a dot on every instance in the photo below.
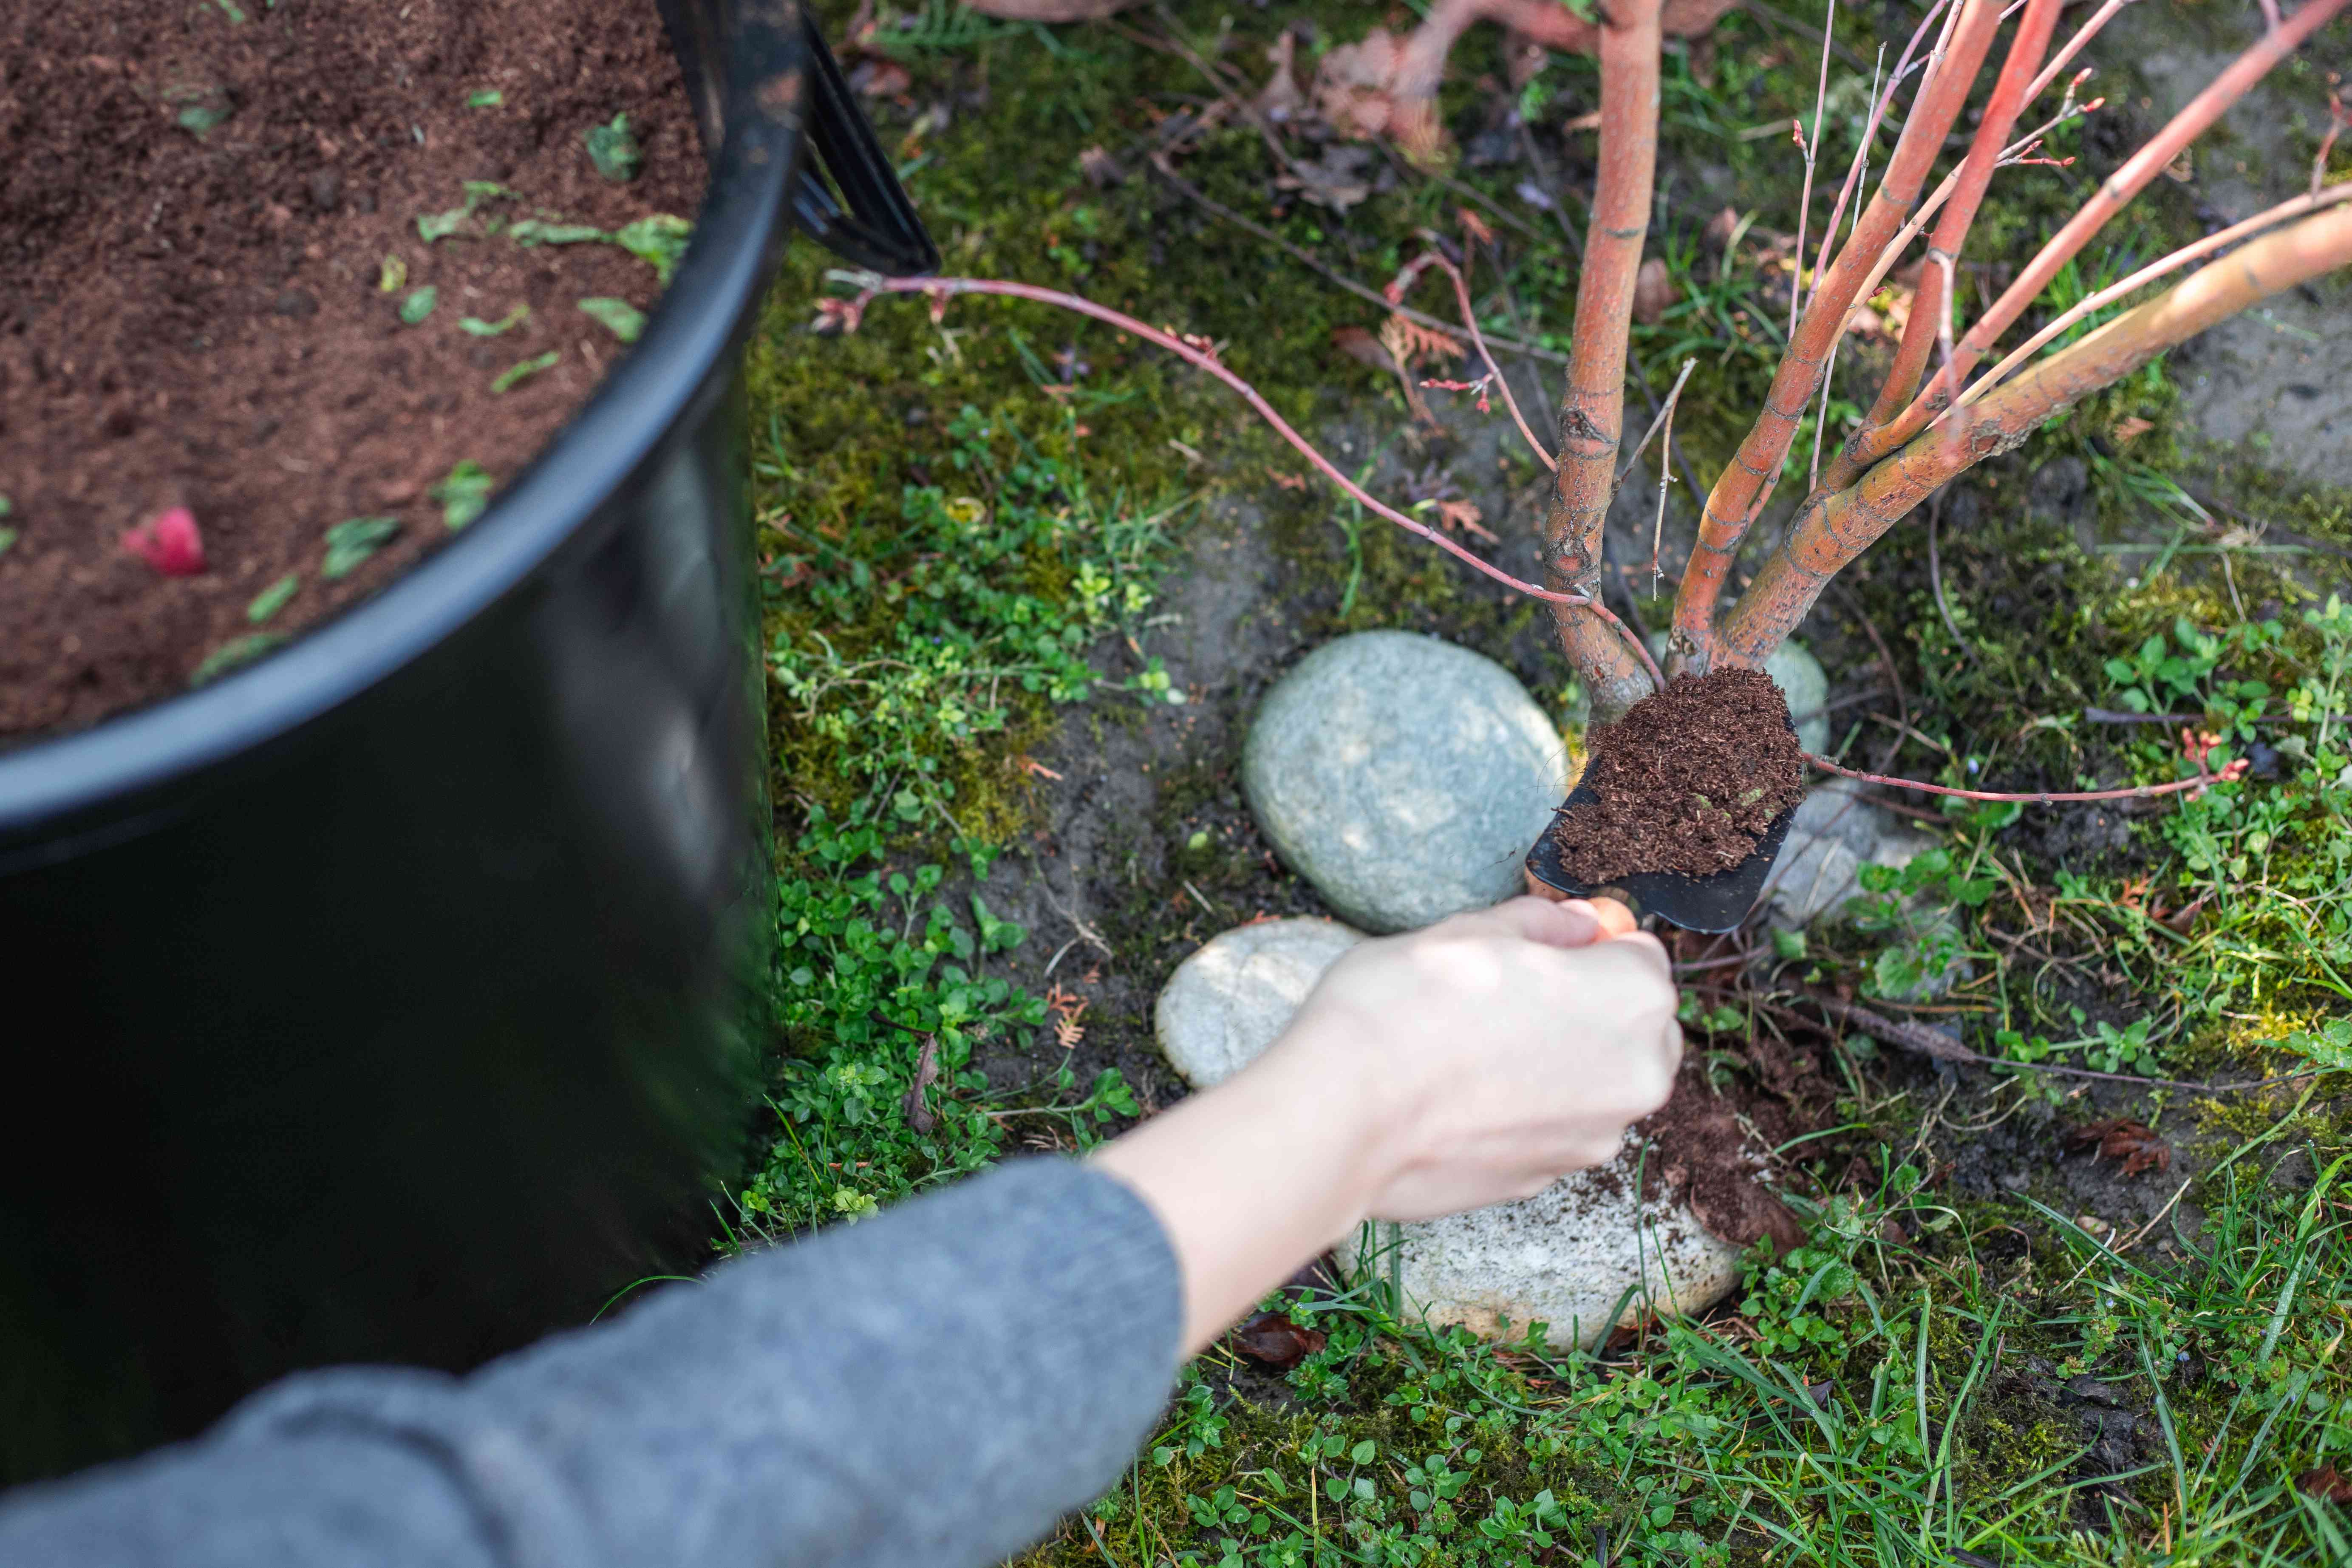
(934, 1386)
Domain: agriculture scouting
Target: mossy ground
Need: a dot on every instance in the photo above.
(978, 534)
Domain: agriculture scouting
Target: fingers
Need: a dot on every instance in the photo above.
(1569, 924)
(1615, 919)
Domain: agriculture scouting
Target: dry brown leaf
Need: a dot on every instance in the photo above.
(1475, 226)
(2130, 428)
(1462, 517)
(1653, 292)
(1272, 1340)
(1101, 169)
(2120, 1138)
(2325, 1484)
(1411, 342)
(1281, 97)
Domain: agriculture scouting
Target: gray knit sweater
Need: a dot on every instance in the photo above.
(934, 1386)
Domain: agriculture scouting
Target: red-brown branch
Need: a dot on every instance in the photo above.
(2230, 774)
(1835, 527)
(1592, 416)
(1930, 306)
(2110, 198)
(940, 289)
(1745, 484)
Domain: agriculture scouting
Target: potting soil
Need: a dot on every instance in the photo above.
(1688, 781)
(312, 273)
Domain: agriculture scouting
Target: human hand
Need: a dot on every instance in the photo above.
(1499, 1049)
(1467, 1064)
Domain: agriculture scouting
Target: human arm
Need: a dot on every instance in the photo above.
(935, 1385)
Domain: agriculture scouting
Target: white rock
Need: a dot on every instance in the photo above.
(1227, 1002)
(1836, 833)
(1403, 776)
(1567, 1256)
(1802, 681)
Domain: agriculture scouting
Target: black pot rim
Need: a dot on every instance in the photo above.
(719, 280)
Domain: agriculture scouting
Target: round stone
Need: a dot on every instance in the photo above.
(1227, 1002)
(1402, 776)
(1582, 1256)
(1806, 685)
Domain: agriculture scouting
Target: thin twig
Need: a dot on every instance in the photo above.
(939, 291)
(1502, 383)
(1658, 416)
(2230, 774)
(1551, 190)
(1934, 1043)
(1666, 470)
(1160, 166)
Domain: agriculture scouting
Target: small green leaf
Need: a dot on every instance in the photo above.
(440, 225)
(419, 305)
(392, 274)
(6, 506)
(487, 98)
(229, 8)
(272, 599)
(7, 538)
(516, 373)
(199, 119)
(1362, 1453)
(482, 329)
(625, 319)
(538, 231)
(614, 151)
(1199, 841)
(657, 238)
(349, 544)
(480, 191)
(465, 494)
(1789, 944)
(230, 655)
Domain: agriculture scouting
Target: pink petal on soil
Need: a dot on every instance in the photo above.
(168, 542)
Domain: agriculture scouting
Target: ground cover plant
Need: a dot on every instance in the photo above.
(1996, 1345)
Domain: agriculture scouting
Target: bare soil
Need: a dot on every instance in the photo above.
(196, 216)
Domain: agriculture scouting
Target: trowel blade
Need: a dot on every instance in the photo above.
(1713, 903)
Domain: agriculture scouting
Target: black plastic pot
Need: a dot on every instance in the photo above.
(393, 999)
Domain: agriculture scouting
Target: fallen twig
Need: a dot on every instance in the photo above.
(1934, 1043)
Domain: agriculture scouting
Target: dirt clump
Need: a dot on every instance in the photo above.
(269, 265)
(1700, 1153)
(1688, 781)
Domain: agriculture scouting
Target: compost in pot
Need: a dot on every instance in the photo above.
(294, 290)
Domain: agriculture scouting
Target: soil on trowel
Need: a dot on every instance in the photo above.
(1688, 781)
(209, 225)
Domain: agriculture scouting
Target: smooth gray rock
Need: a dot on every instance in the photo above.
(1403, 776)
(1227, 1002)
(1802, 681)
(1836, 833)
(1567, 1256)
